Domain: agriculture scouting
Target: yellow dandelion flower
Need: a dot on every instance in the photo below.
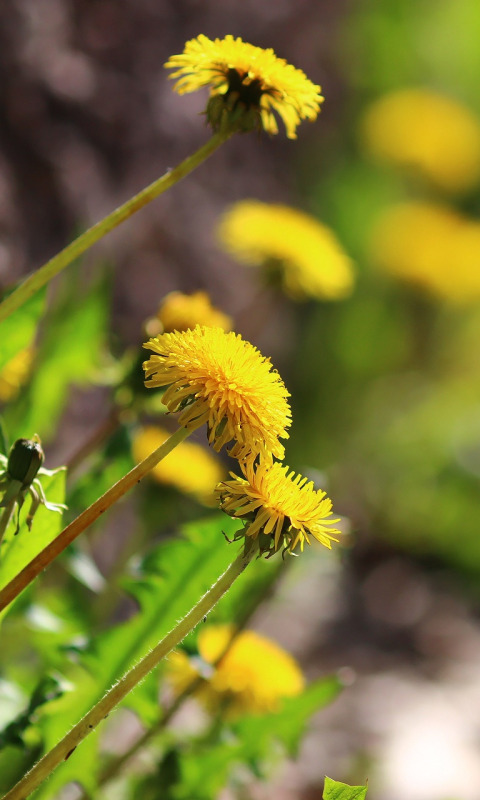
(428, 132)
(179, 312)
(432, 247)
(252, 676)
(15, 373)
(291, 246)
(281, 507)
(249, 83)
(189, 467)
(218, 378)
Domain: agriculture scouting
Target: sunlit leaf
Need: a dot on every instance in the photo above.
(18, 330)
(334, 790)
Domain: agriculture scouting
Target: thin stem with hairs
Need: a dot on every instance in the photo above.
(36, 280)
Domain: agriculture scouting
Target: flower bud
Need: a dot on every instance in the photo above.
(25, 459)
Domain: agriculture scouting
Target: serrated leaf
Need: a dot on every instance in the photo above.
(17, 551)
(174, 577)
(18, 330)
(334, 790)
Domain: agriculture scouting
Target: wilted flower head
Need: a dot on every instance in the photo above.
(251, 676)
(428, 132)
(281, 508)
(179, 312)
(189, 467)
(247, 83)
(293, 248)
(218, 378)
(432, 247)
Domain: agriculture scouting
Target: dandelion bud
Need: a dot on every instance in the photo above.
(25, 459)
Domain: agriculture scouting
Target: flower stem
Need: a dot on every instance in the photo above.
(86, 518)
(6, 517)
(116, 694)
(44, 274)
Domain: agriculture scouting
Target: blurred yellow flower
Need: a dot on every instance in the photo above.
(431, 246)
(291, 246)
(249, 83)
(428, 132)
(15, 373)
(189, 467)
(279, 505)
(252, 677)
(218, 378)
(179, 312)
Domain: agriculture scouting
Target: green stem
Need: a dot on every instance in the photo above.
(6, 517)
(117, 693)
(86, 518)
(44, 274)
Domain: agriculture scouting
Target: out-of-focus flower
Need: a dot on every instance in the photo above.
(252, 676)
(247, 83)
(179, 312)
(430, 246)
(428, 132)
(281, 508)
(218, 378)
(292, 247)
(15, 373)
(189, 467)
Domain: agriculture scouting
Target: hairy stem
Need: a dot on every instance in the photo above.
(44, 274)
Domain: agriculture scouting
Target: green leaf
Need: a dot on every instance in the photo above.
(205, 769)
(287, 725)
(174, 576)
(334, 790)
(68, 354)
(18, 330)
(17, 551)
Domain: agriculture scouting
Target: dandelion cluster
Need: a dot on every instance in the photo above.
(247, 83)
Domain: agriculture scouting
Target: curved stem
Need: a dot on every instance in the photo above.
(85, 519)
(44, 274)
(116, 694)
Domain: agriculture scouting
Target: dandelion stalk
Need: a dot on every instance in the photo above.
(119, 691)
(86, 518)
(34, 282)
(5, 518)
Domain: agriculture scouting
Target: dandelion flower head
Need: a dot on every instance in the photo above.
(189, 467)
(250, 83)
(432, 247)
(251, 676)
(281, 508)
(292, 247)
(428, 132)
(218, 378)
